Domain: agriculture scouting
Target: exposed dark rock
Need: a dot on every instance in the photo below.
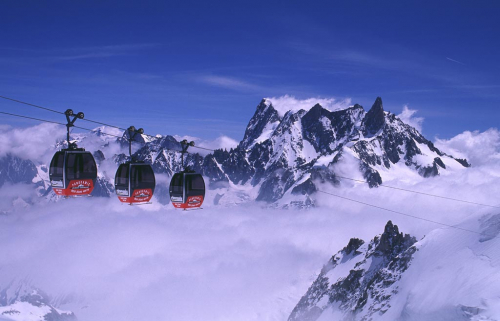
(439, 162)
(278, 153)
(353, 246)
(371, 176)
(374, 119)
(235, 165)
(392, 242)
(306, 188)
(103, 188)
(264, 115)
(324, 175)
(429, 171)
(463, 162)
(98, 156)
(211, 169)
(326, 130)
(365, 290)
(274, 151)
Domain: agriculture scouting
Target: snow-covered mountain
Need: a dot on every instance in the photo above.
(445, 276)
(20, 301)
(16, 170)
(282, 157)
(359, 281)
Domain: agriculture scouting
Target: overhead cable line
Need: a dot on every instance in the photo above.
(42, 120)
(417, 192)
(328, 193)
(55, 111)
(58, 123)
(89, 120)
(212, 150)
(33, 105)
(404, 214)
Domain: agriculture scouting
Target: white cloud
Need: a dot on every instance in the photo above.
(32, 142)
(408, 117)
(482, 149)
(456, 61)
(223, 141)
(221, 263)
(229, 83)
(285, 103)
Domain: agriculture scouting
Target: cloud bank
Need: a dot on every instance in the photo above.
(408, 117)
(285, 103)
(481, 148)
(31, 142)
(244, 262)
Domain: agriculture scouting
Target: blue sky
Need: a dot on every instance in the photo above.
(200, 68)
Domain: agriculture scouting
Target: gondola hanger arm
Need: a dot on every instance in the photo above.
(70, 123)
(132, 132)
(185, 145)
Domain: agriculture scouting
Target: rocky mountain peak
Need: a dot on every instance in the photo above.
(356, 284)
(15, 170)
(315, 113)
(265, 119)
(352, 246)
(317, 106)
(392, 241)
(285, 152)
(374, 119)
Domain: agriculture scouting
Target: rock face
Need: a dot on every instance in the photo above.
(282, 155)
(16, 170)
(374, 120)
(21, 301)
(359, 281)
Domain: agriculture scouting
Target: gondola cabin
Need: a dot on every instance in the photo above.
(187, 190)
(73, 172)
(135, 182)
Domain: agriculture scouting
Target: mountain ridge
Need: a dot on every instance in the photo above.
(287, 156)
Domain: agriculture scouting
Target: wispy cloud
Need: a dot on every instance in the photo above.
(356, 58)
(408, 116)
(78, 53)
(121, 47)
(476, 86)
(229, 83)
(455, 61)
(105, 51)
(92, 55)
(286, 103)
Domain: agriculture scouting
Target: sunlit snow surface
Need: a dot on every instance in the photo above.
(234, 263)
(248, 262)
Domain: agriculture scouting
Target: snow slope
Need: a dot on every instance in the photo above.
(448, 275)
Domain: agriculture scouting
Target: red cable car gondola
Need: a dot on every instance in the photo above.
(134, 180)
(72, 171)
(187, 188)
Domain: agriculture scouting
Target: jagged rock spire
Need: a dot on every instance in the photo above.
(392, 241)
(265, 117)
(374, 119)
(359, 281)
